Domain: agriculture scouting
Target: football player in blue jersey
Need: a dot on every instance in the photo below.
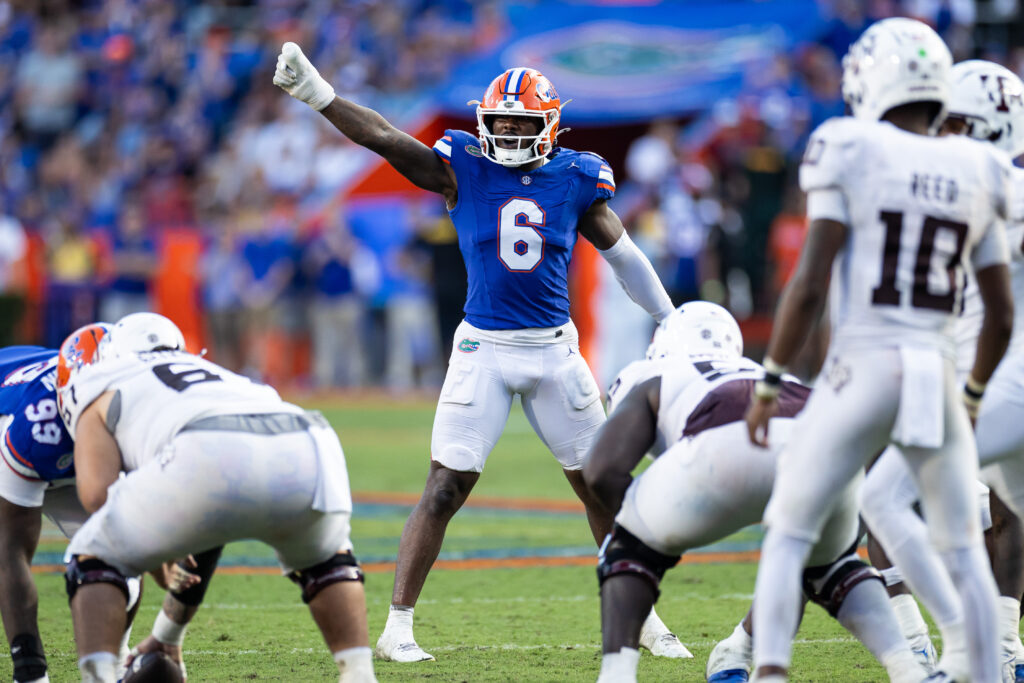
(518, 202)
(37, 466)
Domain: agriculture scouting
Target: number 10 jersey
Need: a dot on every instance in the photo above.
(517, 230)
(916, 208)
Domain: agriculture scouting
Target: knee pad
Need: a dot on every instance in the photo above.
(207, 563)
(28, 657)
(93, 570)
(828, 586)
(340, 567)
(624, 553)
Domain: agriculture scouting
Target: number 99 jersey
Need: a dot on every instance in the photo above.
(517, 230)
(34, 444)
(915, 207)
(158, 393)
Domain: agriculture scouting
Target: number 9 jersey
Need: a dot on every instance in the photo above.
(34, 444)
(916, 208)
(517, 230)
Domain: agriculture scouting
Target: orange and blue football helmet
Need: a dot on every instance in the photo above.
(81, 348)
(519, 92)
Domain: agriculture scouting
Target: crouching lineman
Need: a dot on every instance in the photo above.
(708, 485)
(986, 103)
(37, 478)
(210, 457)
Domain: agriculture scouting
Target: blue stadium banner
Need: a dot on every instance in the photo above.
(629, 63)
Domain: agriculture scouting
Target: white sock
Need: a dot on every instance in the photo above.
(399, 619)
(1009, 624)
(355, 665)
(98, 667)
(739, 638)
(867, 614)
(619, 667)
(901, 666)
(777, 597)
(908, 615)
(654, 624)
(972, 575)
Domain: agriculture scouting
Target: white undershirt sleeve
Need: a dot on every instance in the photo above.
(829, 204)
(637, 277)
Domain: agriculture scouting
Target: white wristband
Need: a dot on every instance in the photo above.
(167, 631)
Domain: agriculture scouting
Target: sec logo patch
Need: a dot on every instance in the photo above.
(468, 345)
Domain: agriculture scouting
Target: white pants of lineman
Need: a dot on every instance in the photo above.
(488, 368)
(213, 487)
(849, 418)
(703, 489)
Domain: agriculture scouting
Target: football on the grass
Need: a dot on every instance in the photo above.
(153, 667)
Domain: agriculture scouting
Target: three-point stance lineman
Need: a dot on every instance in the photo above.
(685, 404)
(210, 457)
(518, 203)
(897, 211)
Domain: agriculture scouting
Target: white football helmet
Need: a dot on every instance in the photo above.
(990, 100)
(141, 332)
(896, 61)
(697, 328)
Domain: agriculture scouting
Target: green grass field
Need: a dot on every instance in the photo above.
(522, 624)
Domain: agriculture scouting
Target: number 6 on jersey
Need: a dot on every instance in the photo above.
(520, 244)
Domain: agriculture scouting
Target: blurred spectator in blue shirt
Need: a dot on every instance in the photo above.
(133, 262)
(335, 308)
(223, 276)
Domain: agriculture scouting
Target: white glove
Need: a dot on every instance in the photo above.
(297, 76)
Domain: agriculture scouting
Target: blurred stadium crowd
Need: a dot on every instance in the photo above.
(147, 162)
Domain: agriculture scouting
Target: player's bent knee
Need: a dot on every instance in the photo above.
(28, 657)
(81, 572)
(625, 554)
(340, 567)
(829, 585)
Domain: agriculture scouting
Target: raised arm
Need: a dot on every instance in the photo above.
(363, 126)
(634, 272)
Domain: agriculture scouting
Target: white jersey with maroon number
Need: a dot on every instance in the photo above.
(969, 326)
(917, 208)
(161, 392)
(685, 382)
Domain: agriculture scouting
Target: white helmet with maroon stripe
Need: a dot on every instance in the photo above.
(697, 328)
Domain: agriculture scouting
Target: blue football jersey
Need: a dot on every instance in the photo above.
(517, 230)
(35, 443)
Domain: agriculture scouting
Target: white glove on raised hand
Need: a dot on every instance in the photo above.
(297, 76)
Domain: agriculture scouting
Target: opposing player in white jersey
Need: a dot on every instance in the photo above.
(519, 203)
(986, 103)
(686, 407)
(894, 214)
(204, 452)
